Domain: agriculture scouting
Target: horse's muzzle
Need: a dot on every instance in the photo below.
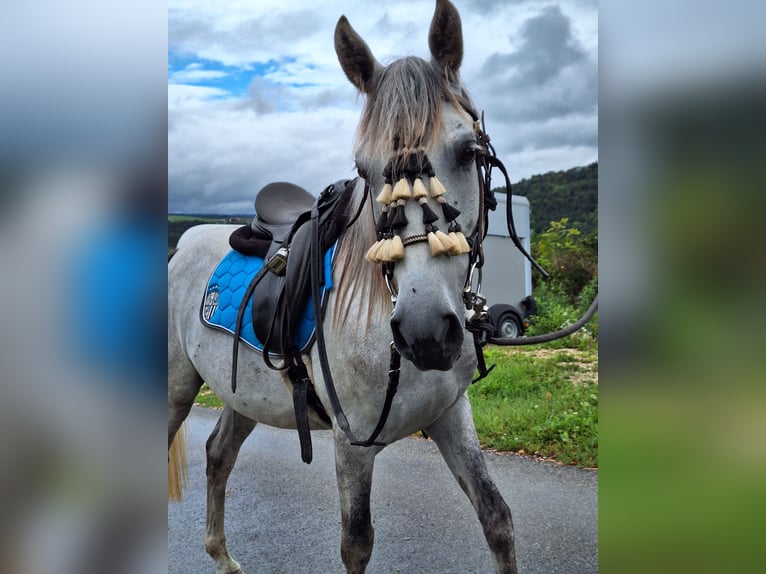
(436, 350)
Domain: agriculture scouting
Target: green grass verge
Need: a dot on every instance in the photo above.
(536, 401)
(540, 401)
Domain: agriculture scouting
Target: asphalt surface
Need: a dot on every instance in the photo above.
(282, 516)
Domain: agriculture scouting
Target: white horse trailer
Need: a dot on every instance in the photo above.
(507, 275)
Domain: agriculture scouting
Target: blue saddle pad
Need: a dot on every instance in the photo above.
(227, 286)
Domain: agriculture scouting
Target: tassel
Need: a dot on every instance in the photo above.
(382, 220)
(438, 241)
(385, 196)
(399, 218)
(373, 252)
(385, 248)
(450, 213)
(447, 243)
(428, 215)
(459, 239)
(436, 187)
(402, 189)
(396, 249)
(418, 189)
(436, 246)
(455, 248)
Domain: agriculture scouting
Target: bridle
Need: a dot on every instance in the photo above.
(477, 322)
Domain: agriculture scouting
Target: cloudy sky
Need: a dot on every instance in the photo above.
(255, 92)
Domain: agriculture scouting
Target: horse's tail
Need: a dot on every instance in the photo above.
(177, 469)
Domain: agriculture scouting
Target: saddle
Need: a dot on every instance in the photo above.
(280, 233)
(291, 231)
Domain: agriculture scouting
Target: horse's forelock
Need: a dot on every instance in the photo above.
(403, 112)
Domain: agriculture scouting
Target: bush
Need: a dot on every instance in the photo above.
(555, 311)
(571, 259)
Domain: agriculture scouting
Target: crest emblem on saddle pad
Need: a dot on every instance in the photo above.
(211, 302)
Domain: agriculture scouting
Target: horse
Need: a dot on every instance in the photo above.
(418, 120)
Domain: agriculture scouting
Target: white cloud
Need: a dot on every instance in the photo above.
(195, 74)
(298, 116)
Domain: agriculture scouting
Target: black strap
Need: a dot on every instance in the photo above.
(300, 379)
(393, 383)
(493, 161)
(238, 327)
(332, 395)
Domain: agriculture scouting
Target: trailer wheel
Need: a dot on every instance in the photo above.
(508, 326)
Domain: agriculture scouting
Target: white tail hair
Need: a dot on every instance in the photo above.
(177, 468)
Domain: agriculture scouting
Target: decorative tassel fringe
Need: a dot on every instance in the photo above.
(436, 187)
(402, 189)
(450, 213)
(456, 234)
(445, 240)
(418, 189)
(438, 241)
(398, 219)
(382, 220)
(428, 215)
(385, 196)
(373, 252)
(461, 243)
(396, 249)
(386, 250)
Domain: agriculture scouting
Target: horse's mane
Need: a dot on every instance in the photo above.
(359, 279)
(402, 114)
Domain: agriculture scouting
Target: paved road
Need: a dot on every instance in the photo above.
(283, 516)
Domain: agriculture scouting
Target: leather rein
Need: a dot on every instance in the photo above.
(477, 321)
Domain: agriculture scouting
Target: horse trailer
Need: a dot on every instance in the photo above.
(506, 279)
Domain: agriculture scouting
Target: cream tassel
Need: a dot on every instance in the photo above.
(384, 196)
(418, 189)
(436, 187)
(461, 243)
(436, 246)
(373, 252)
(396, 249)
(439, 242)
(402, 189)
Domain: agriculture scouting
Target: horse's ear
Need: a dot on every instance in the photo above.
(355, 57)
(445, 39)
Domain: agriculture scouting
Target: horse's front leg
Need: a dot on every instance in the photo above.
(222, 449)
(455, 434)
(353, 467)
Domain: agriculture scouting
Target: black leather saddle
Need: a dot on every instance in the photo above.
(278, 206)
(281, 234)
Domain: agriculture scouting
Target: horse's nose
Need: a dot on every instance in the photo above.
(432, 346)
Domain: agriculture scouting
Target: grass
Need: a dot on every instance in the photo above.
(206, 398)
(540, 401)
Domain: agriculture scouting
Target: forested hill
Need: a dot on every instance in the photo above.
(572, 193)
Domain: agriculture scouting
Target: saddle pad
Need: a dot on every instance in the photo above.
(227, 286)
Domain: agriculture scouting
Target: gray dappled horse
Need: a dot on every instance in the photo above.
(413, 109)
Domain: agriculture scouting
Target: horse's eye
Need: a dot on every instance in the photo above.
(468, 154)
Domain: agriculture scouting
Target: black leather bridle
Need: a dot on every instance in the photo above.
(477, 324)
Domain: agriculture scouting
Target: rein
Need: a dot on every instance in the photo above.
(479, 324)
(324, 363)
(386, 251)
